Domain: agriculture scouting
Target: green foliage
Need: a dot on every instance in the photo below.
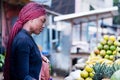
(2, 57)
(116, 19)
(115, 2)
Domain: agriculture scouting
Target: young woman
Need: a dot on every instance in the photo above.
(23, 60)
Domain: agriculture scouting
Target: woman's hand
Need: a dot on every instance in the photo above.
(44, 58)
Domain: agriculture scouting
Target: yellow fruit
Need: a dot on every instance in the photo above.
(102, 52)
(106, 37)
(84, 74)
(79, 79)
(92, 54)
(111, 57)
(112, 38)
(91, 74)
(114, 52)
(115, 43)
(88, 68)
(88, 78)
(108, 62)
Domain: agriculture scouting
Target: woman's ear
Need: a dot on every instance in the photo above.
(30, 21)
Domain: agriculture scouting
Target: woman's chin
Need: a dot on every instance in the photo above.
(37, 33)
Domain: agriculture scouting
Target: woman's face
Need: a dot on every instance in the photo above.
(37, 24)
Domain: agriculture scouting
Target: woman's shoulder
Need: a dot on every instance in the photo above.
(22, 35)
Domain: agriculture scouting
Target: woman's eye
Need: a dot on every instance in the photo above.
(44, 20)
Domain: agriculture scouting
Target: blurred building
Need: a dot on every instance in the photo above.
(84, 30)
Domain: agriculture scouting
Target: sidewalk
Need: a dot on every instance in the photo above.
(58, 78)
(54, 78)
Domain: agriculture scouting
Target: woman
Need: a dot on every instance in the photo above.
(23, 60)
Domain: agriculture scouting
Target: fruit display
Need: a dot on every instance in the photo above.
(105, 51)
(107, 48)
(87, 73)
(102, 62)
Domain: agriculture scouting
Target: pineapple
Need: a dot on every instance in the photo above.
(104, 71)
(98, 69)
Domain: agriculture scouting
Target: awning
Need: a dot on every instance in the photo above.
(89, 16)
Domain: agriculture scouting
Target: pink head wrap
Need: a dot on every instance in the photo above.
(31, 11)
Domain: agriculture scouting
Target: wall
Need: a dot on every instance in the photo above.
(9, 14)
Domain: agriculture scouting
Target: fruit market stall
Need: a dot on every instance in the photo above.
(106, 48)
(103, 62)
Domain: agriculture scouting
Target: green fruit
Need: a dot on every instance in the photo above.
(1, 65)
(103, 42)
(112, 48)
(109, 52)
(115, 43)
(118, 49)
(107, 57)
(106, 47)
(118, 43)
(110, 42)
(115, 75)
(99, 46)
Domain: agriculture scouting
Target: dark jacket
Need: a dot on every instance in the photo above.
(25, 59)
